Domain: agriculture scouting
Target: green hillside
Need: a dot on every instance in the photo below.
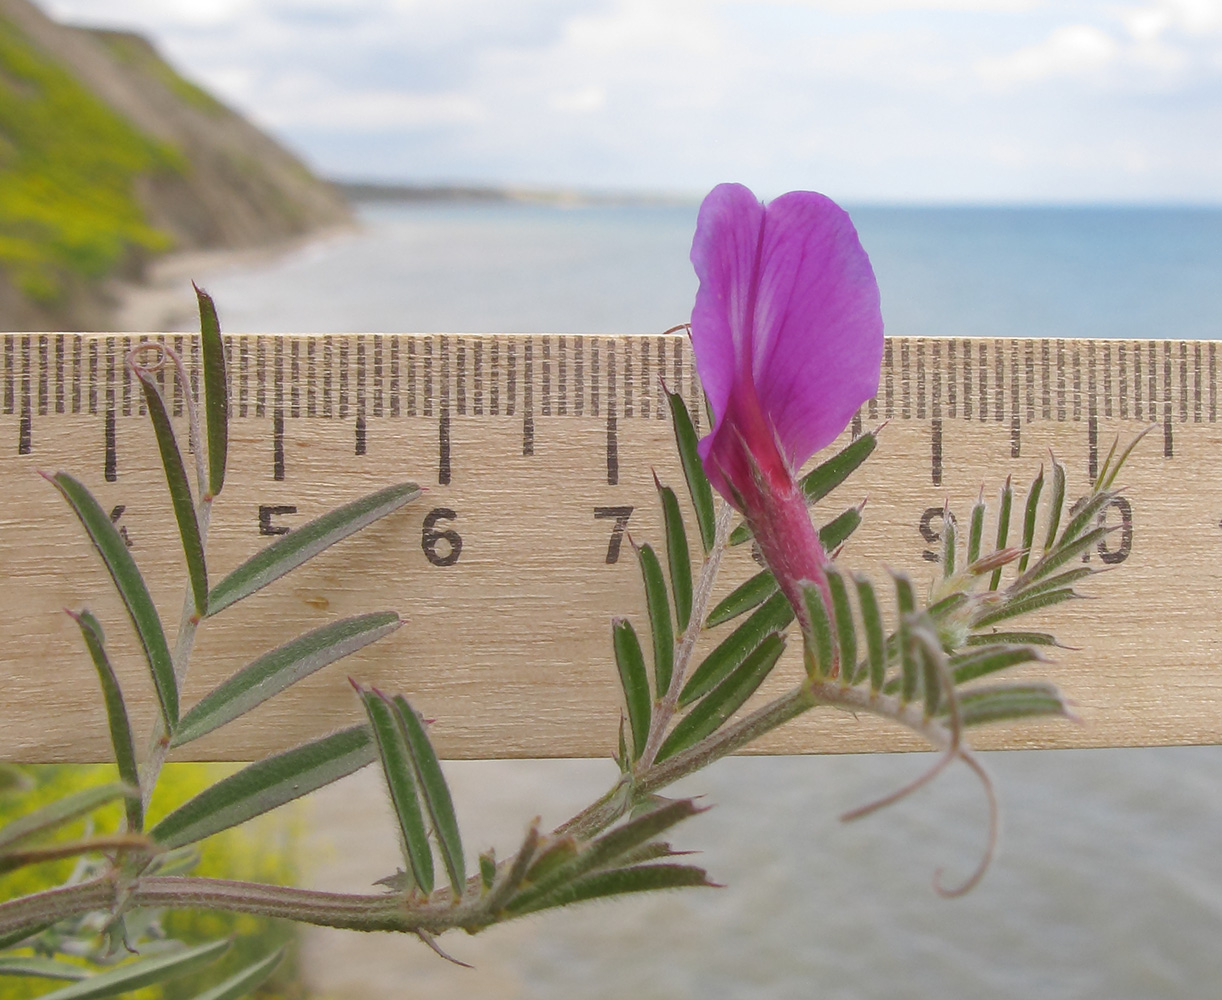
(68, 171)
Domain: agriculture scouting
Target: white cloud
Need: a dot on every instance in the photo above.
(1071, 50)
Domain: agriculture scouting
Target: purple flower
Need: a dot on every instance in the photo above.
(788, 338)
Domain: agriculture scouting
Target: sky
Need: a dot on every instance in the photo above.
(992, 101)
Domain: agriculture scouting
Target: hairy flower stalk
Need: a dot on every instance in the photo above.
(788, 336)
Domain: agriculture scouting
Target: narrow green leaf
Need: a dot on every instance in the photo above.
(130, 585)
(274, 671)
(678, 558)
(820, 651)
(1109, 472)
(1085, 511)
(266, 784)
(61, 811)
(44, 968)
(1003, 528)
(216, 390)
(619, 882)
(14, 937)
(1066, 579)
(978, 662)
(302, 544)
(1010, 701)
(397, 767)
(693, 471)
(487, 869)
(905, 600)
(661, 627)
(846, 630)
(941, 610)
(743, 598)
(142, 972)
(609, 849)
(116, 713)
(242, 983)
(837, 531)
(634, 680)
(773, 615)
(976, 531)
(180, 489)
(725, 699)
(876, 637)
(435, 792)
(1030, 515)
(1056, 500)
(1060, 555)
(555, 854)
(932, 662)
(826, 476)
(1012, 609)
(949, 543)
(1013, 638)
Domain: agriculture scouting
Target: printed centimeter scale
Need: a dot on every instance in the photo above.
(443, 376)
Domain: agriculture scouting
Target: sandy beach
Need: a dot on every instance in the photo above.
(164, 302)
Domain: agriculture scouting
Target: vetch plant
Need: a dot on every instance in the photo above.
(787, 333)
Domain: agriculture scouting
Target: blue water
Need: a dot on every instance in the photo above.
(1109, 883)
(1056, 272)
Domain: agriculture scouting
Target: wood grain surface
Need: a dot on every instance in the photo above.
(532, 450)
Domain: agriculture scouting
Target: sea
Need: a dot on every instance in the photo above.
(1108, 882)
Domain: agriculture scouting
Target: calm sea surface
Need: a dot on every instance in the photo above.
(1109, 881)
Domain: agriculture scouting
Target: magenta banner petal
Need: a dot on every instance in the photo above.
(786, 328)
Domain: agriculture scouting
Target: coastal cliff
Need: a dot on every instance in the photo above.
(109, 158)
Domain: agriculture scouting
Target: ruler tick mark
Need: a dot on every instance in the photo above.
(278, 445)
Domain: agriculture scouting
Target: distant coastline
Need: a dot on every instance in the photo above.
(359, 192)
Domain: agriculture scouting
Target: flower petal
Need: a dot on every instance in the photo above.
(817, 338)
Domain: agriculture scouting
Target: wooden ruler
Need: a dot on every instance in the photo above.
(537, 453)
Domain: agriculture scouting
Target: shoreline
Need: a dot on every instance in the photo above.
(162, 302)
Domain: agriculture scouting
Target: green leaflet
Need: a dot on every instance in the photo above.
(1029, 518)
(846, 630)
(302, 544)
(242, 983)
(266, 784)
(661, 627)
(142, 972)
(487, 869)
(1009, 701)
(837, 531)
(1023, 606)
(876, 636)
(820, 639)
(180, 489)
(619, 882)
(44, 968)
(612, 848)
(678, 558)
(693, 471)
(1056, 500)
(272, 672)
(949, 543)
(1059, 556)
(772, 616)
(979, 661)
(743, 598)
(975, 531)
(397, 767)
(216, 390)
(61, 811)
(725, 699)
(116, 714)
(1003, 528)
(634, 680)
(826, 476)
(905, 600)
(130, 585)
(436, 794)
(1013, 638)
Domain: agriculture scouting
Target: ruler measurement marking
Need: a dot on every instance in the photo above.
(60, 389)
(379, 401)
(1015, 392)
(361, 389)
(25, 433)
(78, 347)
(460, 375)
(311, 377)
(628, 381)
(612, 425)
(43, 366)
(295, 377)
(528, 400)
(920, 380)
(394, 376)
